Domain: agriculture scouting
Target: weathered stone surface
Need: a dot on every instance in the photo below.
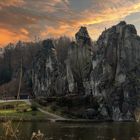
(82, 37)
(79, 63)
(118, 58)
(47, 76)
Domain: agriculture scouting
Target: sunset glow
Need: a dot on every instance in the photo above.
(25, 19)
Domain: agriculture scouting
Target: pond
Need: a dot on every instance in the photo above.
(93, 131)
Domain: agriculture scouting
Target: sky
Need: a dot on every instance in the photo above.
(29, 19)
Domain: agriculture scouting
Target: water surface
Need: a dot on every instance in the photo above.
(93, 131)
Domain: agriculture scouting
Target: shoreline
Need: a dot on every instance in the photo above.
(42, 119)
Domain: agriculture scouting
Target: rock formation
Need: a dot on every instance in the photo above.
(111, 74)
(79, 63)
(47, 77)
(117, 72)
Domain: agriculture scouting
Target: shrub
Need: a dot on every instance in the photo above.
(53, 107)
(34, 107)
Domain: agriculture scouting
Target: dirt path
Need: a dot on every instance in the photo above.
(51, 116)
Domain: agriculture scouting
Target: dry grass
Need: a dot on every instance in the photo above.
(12, 133)
(37, 136)
(137, 114)
(9, 131)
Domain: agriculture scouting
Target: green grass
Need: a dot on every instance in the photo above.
(12, 103)
(20, 109)
(20, 114)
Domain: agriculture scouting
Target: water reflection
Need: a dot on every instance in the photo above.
(96, 131)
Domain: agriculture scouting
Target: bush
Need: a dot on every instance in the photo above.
(34, 107)
(53, 107)
(25, 110)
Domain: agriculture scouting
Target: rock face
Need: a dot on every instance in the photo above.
(82, 37)
(117, 70)
(79, 63)
(111, 73)
(47, 77)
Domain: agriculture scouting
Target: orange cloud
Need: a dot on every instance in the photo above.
(23, 19)
(110, 14)
(57, 32)
(90, 17)
(7, 36)
(24, 31)
(51, 6)
(7, 3)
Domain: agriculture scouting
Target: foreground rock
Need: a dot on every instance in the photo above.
(108, 76)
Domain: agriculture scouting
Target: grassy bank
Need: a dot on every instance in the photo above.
(20, 110)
